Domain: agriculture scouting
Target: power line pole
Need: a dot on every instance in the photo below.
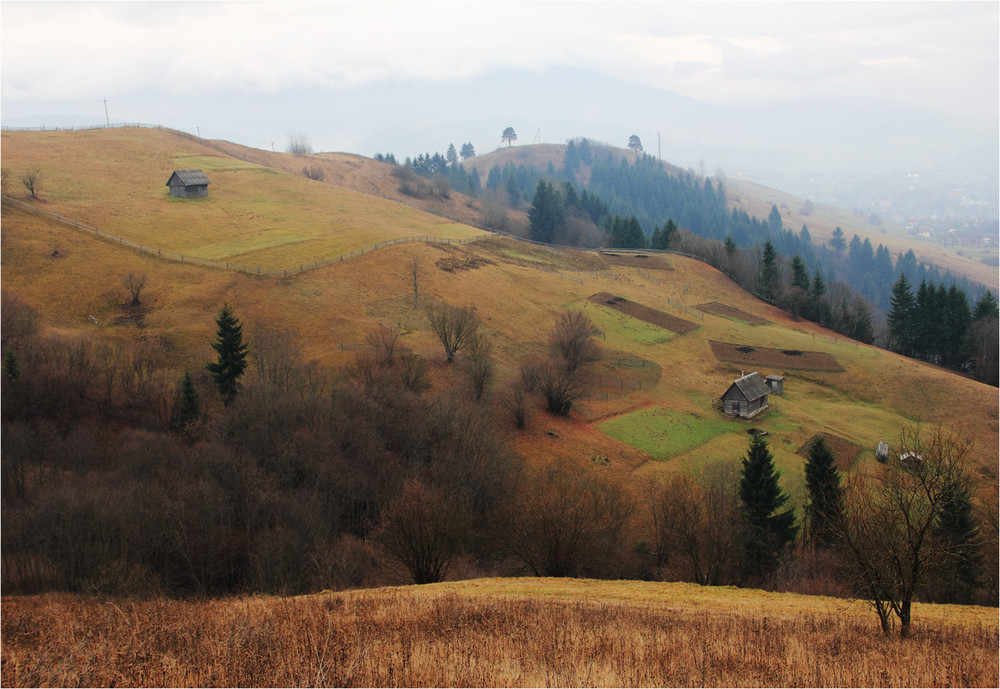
(106, 116)
(659, 149)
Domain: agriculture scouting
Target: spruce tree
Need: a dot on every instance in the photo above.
(768, 530)
(826, 501)
(189, 406)
(901, 317)
(768, 271)
(957, 530)
(232, 353)
(547, 213)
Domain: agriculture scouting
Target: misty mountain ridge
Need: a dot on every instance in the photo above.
(856, 143)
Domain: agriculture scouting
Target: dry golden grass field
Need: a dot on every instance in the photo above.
(493, 632)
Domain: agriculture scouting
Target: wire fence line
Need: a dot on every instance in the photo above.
(231, 265)
(80, 128)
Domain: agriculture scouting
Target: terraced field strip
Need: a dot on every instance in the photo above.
(637, 261)
(776, 359)
(644, 313)
(726, 311)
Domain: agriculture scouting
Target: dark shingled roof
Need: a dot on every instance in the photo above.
(752, 386)
(189, 177)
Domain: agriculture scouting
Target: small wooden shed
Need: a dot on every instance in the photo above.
(775, 383)
(188, 183)
(746, 397)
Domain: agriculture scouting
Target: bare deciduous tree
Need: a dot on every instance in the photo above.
(298, 143)
(478, 364)
(313, 171)
(415, 274)
(559, 388)
(423, 529)
(890, 514)
(31, 179)
(453, 326)
(134, 282)
(572, 341)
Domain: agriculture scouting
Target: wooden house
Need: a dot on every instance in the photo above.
(746, 397)
(775, 383)
(188, 183)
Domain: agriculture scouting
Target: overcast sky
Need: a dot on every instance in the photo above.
(940, 55)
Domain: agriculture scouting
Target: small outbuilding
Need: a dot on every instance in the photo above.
(188, 183)
(775, 383)
(746, 397)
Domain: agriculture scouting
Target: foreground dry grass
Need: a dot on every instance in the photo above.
(492, 633)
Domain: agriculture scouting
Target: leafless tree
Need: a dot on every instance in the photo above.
(423, 529)
(298, 143)
(572, 341)
(313, 171)
(31, 179)
(695, 527)
(890, 513)
(514, 398)
(559, 388)
(478, 364)
(383, 340)
(413, 373)
(134, 282)
(453, 326)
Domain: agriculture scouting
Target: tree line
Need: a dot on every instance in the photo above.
(260, 472)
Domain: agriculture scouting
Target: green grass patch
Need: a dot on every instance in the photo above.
(621, 329)
(662, 433)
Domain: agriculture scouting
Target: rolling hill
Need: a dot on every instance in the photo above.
(652, 409)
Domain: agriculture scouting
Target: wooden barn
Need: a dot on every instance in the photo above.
(188, 183)
(776, 383)
(746, 397)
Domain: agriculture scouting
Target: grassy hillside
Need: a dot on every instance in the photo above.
(488, 632)
(641, 419)
(114, 180)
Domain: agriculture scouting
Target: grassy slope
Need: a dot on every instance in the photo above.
(517, 303)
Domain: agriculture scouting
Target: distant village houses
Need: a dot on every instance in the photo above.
(188, 183)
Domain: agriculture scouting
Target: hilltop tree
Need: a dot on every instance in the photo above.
(298, 143)
(768, 531)
(451, 155)
(232, 354)
(635, 144)
(508, 136)
(826, 501)
(468, 150)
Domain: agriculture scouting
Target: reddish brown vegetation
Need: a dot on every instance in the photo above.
(843, 450)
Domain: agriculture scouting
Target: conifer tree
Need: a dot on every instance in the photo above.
(768, 271)
(826, 501)
(901, 315)
(232, 355)
(957, 530)
(190, 406)
(547, 214)
(768, 530)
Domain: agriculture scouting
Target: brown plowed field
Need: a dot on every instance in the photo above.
(638, 261)
(774, 359)
(844, 451)
(644, 313)
(731, 312)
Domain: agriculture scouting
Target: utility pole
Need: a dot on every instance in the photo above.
(198, 127)
(106, 116)
(659, 149)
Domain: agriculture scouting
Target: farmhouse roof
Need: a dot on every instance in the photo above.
(774, 376)
(189, 177)
(751, 386)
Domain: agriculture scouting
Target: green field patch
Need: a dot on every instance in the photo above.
(213, 164)
(618, 326)
(662, 433)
